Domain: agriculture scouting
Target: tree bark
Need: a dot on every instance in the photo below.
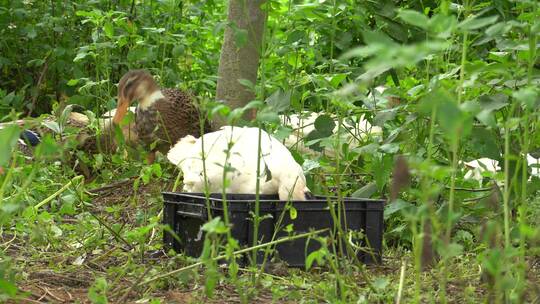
(240, 61)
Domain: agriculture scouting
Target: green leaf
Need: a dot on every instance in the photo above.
(395, 206)
(488, 104)
(295, 36)
(484, 144)
(7, 288)
(109, 30)
(378, 38)
(451, 250)
(279, 101)
(414, 18)
(216, 225)
(269, 116)
(454, 122)
(325, 124)
(528, 97)
(293, 213)
(31, 32)
(366, 191)
(380, 283)
(318, 256)
(97, 294)
(8, 137)
(337, 79)
(382, 168)
(474, 23)
(247, 83)
(72, 82)
(178, 50)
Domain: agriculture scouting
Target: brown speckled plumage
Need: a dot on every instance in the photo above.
(168, 120)
(164, 121)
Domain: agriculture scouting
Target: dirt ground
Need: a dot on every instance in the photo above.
(52, 277)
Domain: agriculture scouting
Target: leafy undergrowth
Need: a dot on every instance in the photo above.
(462, 83)
(99, 242)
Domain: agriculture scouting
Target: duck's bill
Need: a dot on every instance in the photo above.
(121, 111)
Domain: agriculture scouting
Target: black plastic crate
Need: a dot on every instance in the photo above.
(185, 213)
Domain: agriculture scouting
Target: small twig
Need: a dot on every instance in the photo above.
(139, 280)
(115, 234)
(5, 245)
(470, 189)
(47, 291)
(476, 198)
(32, 301)
(112, 186)
(106, 254)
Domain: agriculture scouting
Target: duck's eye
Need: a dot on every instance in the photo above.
(129, 83)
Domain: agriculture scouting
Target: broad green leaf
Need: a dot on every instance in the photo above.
(382, 168)
(7, 288)
(450, 250)
(395, 206)
(336, 80)
(216, 225)
(318, 256)
(279, 101)
(247, 83)
(109, 29)
(9, 136)
(474, 23)
(454, 122)
(72, 82)
(97, 294)
(380, 283)
(415, 18)
(484, 144)
(366, 191)
(269, 116)
(325, 124)
(378, 37)
(528, 97)
(295, 36)
(489, 104)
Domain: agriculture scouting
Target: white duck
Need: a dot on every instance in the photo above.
(478, 166)
(279, 171)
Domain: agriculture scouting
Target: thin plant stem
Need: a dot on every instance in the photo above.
(235, 253)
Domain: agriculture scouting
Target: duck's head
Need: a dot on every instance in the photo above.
(135, 85)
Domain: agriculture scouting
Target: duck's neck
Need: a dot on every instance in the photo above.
(150, 99)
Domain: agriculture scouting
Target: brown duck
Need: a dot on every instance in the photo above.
(163, 116)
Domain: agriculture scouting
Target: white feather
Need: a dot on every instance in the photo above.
(150, 99)
(476, 167)
(286, 177)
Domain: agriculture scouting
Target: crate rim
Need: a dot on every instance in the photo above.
(320, 198)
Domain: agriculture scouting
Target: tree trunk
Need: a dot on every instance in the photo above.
(240, 61)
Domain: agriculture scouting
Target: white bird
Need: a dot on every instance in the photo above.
(279, 172)
(478, 166)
